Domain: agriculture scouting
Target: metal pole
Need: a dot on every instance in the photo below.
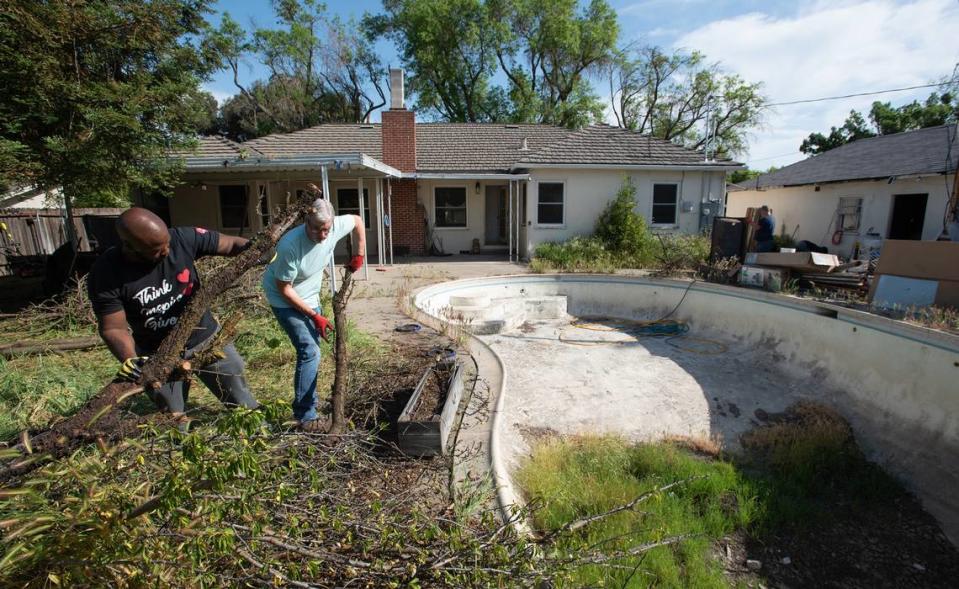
(326, 196)
(380, 228)
(359, 194)
(389, 213)
(509, 223)
(519, 218)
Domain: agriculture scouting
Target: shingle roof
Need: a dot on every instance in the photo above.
(326, 139)
(913, 152)
(447, 147)
(213, 146)
(607, 145)
(471, 147)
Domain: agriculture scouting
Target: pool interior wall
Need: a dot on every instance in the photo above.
(897, 384)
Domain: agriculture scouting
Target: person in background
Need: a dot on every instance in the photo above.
(765, 228)
(292, 283)
(138, 292)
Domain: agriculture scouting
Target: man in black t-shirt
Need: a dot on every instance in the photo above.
(138, 291)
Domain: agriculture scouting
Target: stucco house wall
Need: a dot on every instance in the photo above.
(811, 214)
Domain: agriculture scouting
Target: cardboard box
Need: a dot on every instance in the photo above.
(924, 262)
(802, 261)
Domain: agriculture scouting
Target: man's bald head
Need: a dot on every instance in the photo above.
(144, 235)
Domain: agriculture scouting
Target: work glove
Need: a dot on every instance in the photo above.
(323, 326)
(356, 262)
(131, 368)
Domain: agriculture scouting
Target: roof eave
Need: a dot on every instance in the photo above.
(263, 163)
(678, 167)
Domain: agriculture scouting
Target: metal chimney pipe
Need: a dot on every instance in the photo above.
(397, 96)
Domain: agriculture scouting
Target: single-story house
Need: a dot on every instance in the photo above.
(897, 186)
(449, 186)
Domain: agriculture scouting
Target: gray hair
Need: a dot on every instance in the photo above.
(320, 212)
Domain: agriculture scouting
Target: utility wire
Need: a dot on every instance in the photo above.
(858, 94)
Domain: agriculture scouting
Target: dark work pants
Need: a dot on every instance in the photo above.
(224, 378)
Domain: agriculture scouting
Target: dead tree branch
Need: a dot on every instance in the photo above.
(167, 360)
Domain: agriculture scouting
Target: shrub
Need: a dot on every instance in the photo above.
(620, 227)
(579, 254)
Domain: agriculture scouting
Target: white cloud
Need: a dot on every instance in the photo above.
(828, 49)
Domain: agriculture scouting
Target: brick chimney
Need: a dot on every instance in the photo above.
(399, 150)
(399, 128)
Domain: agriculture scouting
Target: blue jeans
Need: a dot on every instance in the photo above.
(765, 246)
(305, 338)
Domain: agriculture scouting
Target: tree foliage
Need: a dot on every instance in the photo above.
(321, 69)
(885, 119)
(671, 95)
(94, 94)
(546, 50)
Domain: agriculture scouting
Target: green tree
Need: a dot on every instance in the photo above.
(94, 94)
(739, 176)
(937, 109)
(321, 69)
(854, 128)
(621, 229)
(547, 49)
(449, 49)
(673, 95)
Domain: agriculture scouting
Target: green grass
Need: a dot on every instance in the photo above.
(800, 471)
(35, 391)
(574, 479)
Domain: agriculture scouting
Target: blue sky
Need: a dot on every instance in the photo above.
(798, 50)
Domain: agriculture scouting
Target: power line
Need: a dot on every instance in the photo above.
(858, 94)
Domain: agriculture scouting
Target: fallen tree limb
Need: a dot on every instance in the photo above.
(163, 364)
(8, 351)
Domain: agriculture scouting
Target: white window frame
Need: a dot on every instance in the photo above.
(466, 206)
(366, 205)
(841, 220)
(652, 205)
(561, 225)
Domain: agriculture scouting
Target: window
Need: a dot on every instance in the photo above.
(549, 209)
(349, 205)
(450, 206)
(233, 213)
(665, 199)
(849, 213)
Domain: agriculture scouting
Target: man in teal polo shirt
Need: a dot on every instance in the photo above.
(292, 283)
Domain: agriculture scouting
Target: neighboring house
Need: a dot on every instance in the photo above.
(506, 187)
(897, 186)
(28, 197)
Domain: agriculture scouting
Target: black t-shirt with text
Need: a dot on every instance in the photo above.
(154, 296)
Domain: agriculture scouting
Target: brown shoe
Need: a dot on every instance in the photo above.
(315, 426)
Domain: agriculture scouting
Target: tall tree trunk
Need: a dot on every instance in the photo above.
(341, 354)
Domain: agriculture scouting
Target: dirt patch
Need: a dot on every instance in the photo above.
(429, 406)
(895, 545)
(853, 526)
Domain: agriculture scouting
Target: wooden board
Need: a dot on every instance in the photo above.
(430, 438)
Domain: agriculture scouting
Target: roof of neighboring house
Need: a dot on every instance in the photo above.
(608, 145)
(471, 147)
(926, 151)
(332, 138)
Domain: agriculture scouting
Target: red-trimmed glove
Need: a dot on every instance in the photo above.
(356, 262)
(323, 326)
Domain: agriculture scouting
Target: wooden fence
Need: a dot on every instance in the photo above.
(32, 234)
